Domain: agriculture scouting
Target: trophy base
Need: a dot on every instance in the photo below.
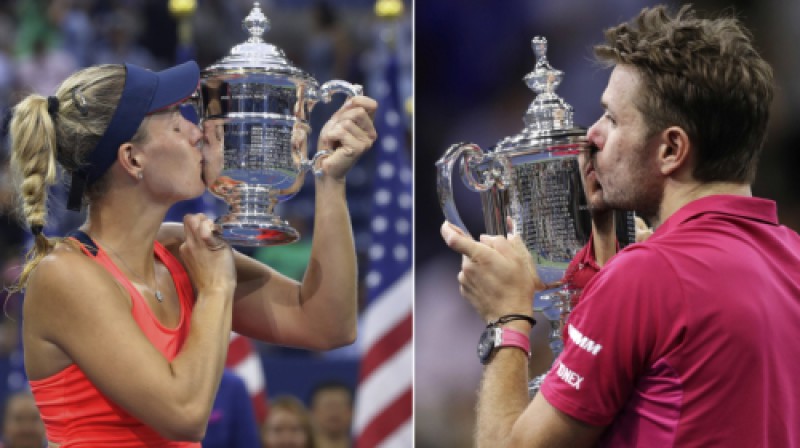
(254, 233)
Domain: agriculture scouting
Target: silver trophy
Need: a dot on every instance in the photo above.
(530, 184)
(263, 102)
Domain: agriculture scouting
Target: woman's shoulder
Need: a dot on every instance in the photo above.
(67, 257)
(65, 292)
(66, 272)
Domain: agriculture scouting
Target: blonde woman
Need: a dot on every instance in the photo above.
(125, 338)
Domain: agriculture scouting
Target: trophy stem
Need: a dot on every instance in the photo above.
(556, 341)
(251, 220)
(556, 305)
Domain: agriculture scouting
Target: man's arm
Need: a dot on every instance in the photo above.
(542, 425)
(507, 418)
(498, 278)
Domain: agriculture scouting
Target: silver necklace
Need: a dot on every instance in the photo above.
(158, 294)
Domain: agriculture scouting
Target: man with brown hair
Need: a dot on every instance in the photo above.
(684, 340)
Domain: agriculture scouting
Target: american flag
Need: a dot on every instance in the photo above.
(383, 412)
(243, 360)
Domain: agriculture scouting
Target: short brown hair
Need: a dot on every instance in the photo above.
(703, 75)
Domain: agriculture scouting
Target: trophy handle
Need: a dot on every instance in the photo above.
(315, 163)
(327, 90)
(444, 167)
(325, 93)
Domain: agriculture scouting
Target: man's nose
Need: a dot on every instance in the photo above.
(595, 137)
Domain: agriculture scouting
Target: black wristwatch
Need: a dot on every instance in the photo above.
(495, 337)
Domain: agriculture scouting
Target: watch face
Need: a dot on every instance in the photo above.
(486, 344)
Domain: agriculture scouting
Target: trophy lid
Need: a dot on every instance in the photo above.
(255, 55)
(548, 116)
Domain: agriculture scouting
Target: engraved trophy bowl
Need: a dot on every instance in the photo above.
(530, 185)
(263, 103)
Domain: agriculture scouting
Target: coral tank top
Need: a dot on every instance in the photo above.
(75, 413)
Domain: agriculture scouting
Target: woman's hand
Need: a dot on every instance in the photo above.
(348, 133)
(208, 259)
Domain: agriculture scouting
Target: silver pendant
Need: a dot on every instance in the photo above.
(159, 297)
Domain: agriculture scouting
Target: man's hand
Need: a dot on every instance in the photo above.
(498, 276)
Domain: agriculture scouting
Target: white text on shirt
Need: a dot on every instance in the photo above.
(582, 341)
(569, 377)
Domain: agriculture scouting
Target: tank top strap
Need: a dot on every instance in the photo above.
(88, 246)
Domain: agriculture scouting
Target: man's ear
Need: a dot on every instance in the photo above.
(675, 149)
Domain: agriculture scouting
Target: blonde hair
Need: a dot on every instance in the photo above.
(86, 102)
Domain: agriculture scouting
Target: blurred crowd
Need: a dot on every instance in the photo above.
(470, 64)
(43, 41)
(324, 423)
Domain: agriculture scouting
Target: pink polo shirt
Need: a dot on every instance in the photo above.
(693, 337)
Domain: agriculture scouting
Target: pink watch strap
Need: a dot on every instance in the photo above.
(513, 338)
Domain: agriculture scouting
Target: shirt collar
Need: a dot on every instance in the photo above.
(588, 257)
(746, 207)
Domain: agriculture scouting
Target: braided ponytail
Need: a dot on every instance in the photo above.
(59, 129)
(33, 164)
